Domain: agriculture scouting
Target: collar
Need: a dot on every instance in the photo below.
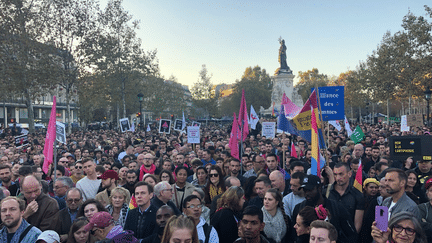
(145, 211)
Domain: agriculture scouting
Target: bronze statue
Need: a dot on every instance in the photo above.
(283, 58)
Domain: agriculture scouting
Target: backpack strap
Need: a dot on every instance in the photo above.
(207, 230)
(24, 233)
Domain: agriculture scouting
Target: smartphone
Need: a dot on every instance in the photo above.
(381, 217)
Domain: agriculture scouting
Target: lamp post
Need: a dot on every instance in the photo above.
(140, 98)
(427, 93)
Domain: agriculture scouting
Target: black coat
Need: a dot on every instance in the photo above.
(143, 225)
(225, 223)
(64, 222)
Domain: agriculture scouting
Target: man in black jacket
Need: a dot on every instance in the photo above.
(142, 220)
(340, 217)
(67, 215)
(163, 195)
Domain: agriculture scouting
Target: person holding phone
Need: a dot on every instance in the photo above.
(403, 227)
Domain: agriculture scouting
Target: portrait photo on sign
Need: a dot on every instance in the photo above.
(178, 124)
(164, 126)
(196, 124)
(124, 124)
(60, 132)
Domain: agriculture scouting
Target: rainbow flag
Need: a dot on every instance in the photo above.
(315, 160)
(132, 203)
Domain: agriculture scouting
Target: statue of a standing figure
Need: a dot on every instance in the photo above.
(283, 58)
(282, 55)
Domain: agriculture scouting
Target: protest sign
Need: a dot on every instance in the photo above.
(332, 102)
(165, 126)
(268, 129)
(415, 120)
(196, 124)
(418, 147)
(21, 140)
(60, 132)
(357, 136)
(193, 134)
(124, 124)
(404, 124)
(178, 125)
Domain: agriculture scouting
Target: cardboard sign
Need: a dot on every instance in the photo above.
(21, 140)
(193, 134)
(196, 124)
(268, 129)
(415, 120)
(60, 132)
(178, 124)
(165, 126)
(124, 124)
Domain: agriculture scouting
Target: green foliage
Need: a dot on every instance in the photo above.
(204, 98)
(256, 83)
(310, 79)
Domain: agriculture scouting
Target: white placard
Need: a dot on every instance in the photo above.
(404, 124)
(60, 132)
(193, 134)
(268, 129)
(124, 124)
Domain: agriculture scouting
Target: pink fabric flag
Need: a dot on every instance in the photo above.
(291, 110)
(233, 142)
(293, 150)
(50, 138)
(285, 99)
(243, 117)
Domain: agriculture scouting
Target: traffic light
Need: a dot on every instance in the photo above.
(172, 117)
(138, 114)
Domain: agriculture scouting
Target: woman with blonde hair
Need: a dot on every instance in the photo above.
(180, 229)
(227, 215)
(118, 206)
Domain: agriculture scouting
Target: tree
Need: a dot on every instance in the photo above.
(28, 65)
(310, 79)
(257, 84)
(203, 95)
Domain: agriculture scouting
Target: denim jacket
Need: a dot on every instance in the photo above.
(31, 236)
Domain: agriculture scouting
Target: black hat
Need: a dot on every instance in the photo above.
(310, 181)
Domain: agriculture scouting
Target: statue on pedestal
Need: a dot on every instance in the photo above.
(282, 59)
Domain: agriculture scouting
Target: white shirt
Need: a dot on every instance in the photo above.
(289, 203)
(214, 237)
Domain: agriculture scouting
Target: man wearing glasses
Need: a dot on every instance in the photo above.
(77, 172)
(258, 164)
(163, 194)
(192, 207)
(67, 215)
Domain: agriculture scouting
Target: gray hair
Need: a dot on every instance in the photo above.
(158, 188)
(404, 215)
(74, 189)
(67, 181)
(200, 192)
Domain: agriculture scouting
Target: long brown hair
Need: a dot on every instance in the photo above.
(231, 199)
(78, 224)
(278, 197)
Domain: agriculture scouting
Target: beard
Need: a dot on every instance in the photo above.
(6, 180)
(13, 223)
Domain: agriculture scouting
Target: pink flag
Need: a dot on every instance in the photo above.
(50, 138)
(293, 150)
(291, 110)
(233, 142)
(243, 117)
(285, 99)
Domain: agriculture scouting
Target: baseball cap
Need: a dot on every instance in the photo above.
(428, 183)
(100, 220)
(109, 174)
(310, 181)
(49, 236)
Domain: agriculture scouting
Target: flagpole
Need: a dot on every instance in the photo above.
(320, 113)
(55, 161)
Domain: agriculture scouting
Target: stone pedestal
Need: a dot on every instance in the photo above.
(283, 83)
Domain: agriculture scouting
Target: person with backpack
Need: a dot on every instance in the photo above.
(192, 207)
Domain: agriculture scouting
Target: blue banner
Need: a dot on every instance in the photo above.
(332, 102)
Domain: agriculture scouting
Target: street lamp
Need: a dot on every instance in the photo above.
(427, 93)
(140, 98)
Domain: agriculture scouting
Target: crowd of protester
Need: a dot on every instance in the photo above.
(151, 187)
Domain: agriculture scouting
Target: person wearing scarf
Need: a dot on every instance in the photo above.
(148, 167)
(276, 222)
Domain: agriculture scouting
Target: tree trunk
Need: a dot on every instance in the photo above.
(360, 118)
(388, 111)
(123, 97)
(373, 113)
(352, 113)
(30, 112)
(409, 105)
(68, 113)
(118, 116)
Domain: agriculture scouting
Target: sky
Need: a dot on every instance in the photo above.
(229, 36)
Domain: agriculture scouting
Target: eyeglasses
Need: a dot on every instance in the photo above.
(73, 200)
(195, 206)
(408, 231)
(214, 175)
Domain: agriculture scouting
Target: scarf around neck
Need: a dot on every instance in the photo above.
(144, 171)
(275, 227)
